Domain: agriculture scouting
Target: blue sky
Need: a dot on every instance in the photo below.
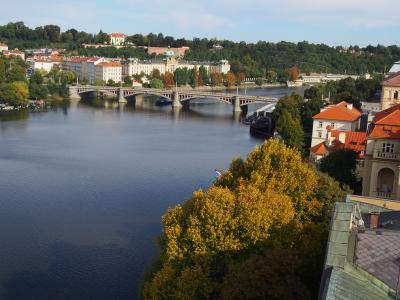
(339, 22)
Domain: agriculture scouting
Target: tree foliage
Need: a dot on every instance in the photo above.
(255, 234)
(341, 165)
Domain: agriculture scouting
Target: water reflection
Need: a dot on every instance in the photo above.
(83, 188)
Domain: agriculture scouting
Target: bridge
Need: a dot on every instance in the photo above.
(177, 97)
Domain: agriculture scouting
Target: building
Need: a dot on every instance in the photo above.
(44, 62)
(363, 251)
(342, 116)
(108, 70)
(339, 139)
(15, 53)
(395, 68)
(83, 67)
(382, 156)
(134, 66)
(315, 78)
(177, 52)
(117, 38)
(390, 91)
(3, 47)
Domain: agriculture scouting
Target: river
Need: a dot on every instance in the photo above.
(82, 191)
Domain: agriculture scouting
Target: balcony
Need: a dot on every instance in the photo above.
(386, 155)
(384, 195)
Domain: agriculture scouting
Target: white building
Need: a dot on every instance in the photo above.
(395, 68)
(342, 116)
(135, 66)
(117, 38)
(44, 62)
(3, 47)
(108, 70)
(322, 78)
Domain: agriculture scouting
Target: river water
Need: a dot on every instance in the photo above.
(82, 191)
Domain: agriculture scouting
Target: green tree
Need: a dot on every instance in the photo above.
(181, 76)
(156, 84)
(341, 165)
(15, 93)
(38, 91)
(261, 277)
(16, 73)
(290, 130)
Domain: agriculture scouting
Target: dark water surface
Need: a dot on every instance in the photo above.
(82, 191)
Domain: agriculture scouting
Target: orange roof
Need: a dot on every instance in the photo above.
(393, 80)
(118, 34)
(110, 64)
(354, 140)
(389, 116)
(339, 112)
(386, 124)
(319, 149)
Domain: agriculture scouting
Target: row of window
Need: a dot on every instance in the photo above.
(321, 124)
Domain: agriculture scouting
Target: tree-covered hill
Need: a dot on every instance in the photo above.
(253, 59)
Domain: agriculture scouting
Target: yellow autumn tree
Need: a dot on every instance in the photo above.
(270, 200)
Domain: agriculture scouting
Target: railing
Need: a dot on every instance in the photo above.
(384, 195)
(386, 155)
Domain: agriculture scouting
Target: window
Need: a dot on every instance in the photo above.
(387, 148)
(396, 95)
(320, 125)
(332, 125)
(320, 134)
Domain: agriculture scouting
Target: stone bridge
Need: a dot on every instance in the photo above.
(177, 97)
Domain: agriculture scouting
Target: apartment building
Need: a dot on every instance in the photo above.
(108, 70)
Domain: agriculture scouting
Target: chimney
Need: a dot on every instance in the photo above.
(350, 106)
(342, 137)
(373, 221)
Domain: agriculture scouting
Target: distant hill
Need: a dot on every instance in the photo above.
(254, 59)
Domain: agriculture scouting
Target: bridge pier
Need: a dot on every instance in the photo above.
(138, 101)
(176, 101)
(236, 104)
(73, 92)
(121, 98)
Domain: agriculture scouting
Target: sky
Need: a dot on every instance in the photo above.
(339, 22)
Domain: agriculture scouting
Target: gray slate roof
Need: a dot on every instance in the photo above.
(378, 253)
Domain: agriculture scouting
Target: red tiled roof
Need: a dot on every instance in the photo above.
(386, 124)
(390, 116)
(393, 80)
(339, 112)
(117, 34)
(354, 140)
(319, 149)
(110, 64)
